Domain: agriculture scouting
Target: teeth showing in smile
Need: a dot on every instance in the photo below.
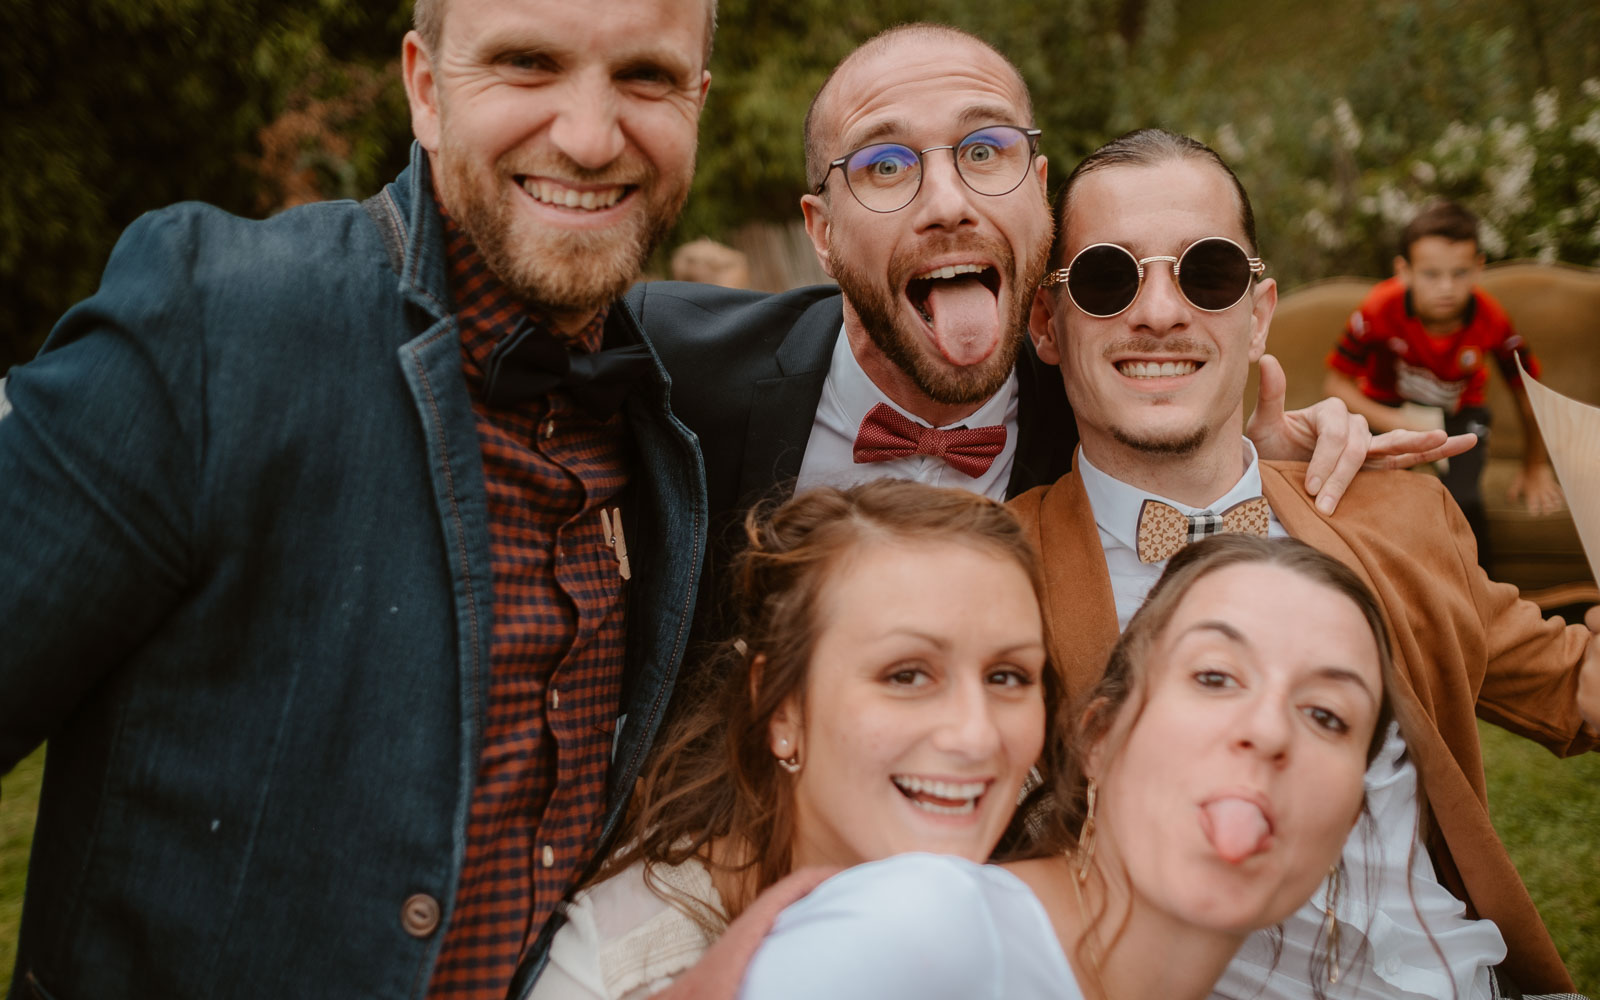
(1156, 369)
(944, 274)
(565, 197)
(946, 798)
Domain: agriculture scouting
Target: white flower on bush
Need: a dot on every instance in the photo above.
(1322, 229)
(1546, 110)
(1344, 120)
(1588, 131)
(1508, 179)
(1491, 238)
(1394, 208)
(1228, 144)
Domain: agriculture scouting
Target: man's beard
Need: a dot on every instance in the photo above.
(562, 270)
(878, 306)
(1186, 444)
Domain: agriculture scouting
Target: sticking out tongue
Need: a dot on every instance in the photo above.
(1236, 828)
(965, 319)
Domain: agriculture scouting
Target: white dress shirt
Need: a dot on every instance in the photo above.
(1391, 900)
(848, 393)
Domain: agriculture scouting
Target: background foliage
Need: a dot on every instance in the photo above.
(1340, 117)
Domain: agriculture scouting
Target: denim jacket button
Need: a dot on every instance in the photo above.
(420, 915)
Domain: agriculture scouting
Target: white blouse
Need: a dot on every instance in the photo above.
(914, 925)
(623, 941)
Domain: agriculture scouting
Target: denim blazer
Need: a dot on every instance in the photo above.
(245, 595)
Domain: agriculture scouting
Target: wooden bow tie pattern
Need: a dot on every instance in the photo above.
(1164, 529)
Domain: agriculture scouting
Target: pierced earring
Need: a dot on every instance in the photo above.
(1331, 922)
(1085, 852)
(790, 763)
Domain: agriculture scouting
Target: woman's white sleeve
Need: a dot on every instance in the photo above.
(915, 925)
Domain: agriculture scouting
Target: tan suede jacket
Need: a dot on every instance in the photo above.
(1464, 646)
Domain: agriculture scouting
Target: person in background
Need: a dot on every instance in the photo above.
(1425, 336)
(713, 263)
(348, 556)
(889, 693)
(1157, 306)
(1217, 772)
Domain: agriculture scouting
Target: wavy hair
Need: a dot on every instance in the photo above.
(712, 779)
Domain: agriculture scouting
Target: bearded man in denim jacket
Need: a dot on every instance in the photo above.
(316, 588)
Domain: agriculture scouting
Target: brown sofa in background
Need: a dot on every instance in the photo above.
(1557, 308)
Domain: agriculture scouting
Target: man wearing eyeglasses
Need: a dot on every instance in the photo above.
(1155, 312)
(928, 207)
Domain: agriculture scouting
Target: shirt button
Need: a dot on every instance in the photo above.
(549, 857)
(549, 429)
(420, 915)
(555, 698)
(561, 553)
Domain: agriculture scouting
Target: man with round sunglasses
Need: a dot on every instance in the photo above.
(928, 207)
(1156, 310)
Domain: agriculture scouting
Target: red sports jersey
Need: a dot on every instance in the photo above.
(1394, 360)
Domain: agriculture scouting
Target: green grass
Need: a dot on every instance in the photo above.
(19, 797)
(1546, 810)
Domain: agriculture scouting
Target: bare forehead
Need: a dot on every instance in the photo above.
(921, 81)
(1146, 206)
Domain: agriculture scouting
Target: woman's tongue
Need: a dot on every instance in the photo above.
(1235, 827)
(965, 320)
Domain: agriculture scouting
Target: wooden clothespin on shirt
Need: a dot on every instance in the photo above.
(611, 523)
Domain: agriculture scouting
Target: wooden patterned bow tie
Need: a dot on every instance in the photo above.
(1164, 529)
(885, 434)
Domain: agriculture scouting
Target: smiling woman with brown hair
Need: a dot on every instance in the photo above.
(890, 692)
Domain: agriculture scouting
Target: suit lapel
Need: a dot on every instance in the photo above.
(785, 406)
(1080, 611)
(1280, 484)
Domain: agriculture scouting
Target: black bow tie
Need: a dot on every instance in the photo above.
(531, 362)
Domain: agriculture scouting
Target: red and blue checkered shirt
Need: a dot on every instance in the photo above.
(555, 653)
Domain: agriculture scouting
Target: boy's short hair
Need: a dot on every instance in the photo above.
(1442, 218)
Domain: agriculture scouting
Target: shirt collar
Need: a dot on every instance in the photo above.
(1116, 504)
(487, 311)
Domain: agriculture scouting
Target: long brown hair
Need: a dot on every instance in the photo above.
(713, 778)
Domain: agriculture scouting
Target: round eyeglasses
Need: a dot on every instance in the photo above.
(1103, 280)
(886, 176)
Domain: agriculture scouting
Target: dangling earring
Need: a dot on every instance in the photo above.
(1085, 853)
(1331, 923)
(790, 763)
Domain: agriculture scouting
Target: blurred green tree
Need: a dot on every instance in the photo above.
(113, 107)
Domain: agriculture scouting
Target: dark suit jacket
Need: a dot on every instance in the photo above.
(747, 371)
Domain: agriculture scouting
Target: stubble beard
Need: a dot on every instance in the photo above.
(877, 304)
(561, 270)
(1170, 446)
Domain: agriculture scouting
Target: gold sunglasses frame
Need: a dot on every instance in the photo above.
(1059, 276)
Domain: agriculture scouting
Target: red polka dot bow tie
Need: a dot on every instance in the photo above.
(885, 434)
(1164, 529)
